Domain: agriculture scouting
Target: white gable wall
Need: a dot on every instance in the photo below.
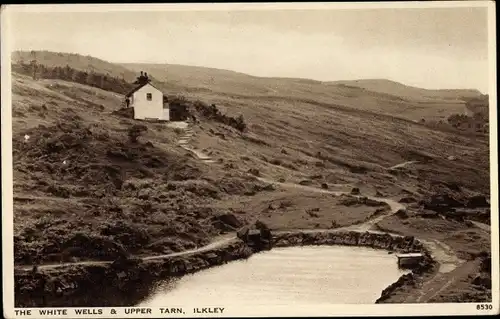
(166, 113)
(144, 109)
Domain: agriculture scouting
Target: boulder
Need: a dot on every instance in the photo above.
(441, 203)
(229, 219)
(401, 213)
(305, 182)
(254, 171)
(408, 199)
(257, 236)
(477, 201)
(355, 191)
(482, 281)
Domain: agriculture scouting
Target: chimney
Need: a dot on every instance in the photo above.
(146, 75)
(141, 73)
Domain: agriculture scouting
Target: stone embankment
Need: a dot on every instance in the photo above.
(121, 283)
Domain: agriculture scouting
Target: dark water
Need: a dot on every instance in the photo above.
(308, 276)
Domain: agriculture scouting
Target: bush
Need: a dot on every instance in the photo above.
(240, 123)
(213, 113)
(135, 132)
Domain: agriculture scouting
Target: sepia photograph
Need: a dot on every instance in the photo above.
(229, 160)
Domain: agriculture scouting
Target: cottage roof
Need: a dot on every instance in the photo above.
(137, 88)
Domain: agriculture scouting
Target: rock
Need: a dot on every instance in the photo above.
(257, 236)
(272, 206)
(468, 223)
(401, 213)
(305, 182)
(254, 171)
(477, 201)
(313, 212)
(355, 191)
(429, 215)
(408, 199)
(229, 220)
(451, 158)
(221, 135)
(324, 185)
(482, 281)
(348, 200)
(243, 232)
(441, 203)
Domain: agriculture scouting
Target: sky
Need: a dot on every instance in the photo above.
(432, 48)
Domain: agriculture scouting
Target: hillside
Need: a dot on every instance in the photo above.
(419, 94)
(301, 133)
(380, 96)
(76, 61)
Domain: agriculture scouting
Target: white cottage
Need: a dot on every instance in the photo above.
(147, 102)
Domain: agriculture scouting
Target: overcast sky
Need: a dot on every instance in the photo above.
(430, 48)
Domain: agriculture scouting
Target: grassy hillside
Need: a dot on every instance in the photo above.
(398, 89)
(76, 61)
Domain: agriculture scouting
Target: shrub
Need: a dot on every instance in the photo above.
(240, 123)
(135, 132)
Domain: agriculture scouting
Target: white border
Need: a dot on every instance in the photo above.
(7, 194)
(279, 311)
(135, 7)
(493, 144)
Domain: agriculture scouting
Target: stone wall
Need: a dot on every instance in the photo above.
(350, 238)
(122, 283)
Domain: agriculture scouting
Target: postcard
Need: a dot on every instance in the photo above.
(249, 159)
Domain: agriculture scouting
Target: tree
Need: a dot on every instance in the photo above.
(81, 77)
(68, 73)
(34, 68)
(89, 79)
(104, 82)
(43, 72)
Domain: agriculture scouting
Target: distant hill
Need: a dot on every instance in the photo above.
(409, 92)
(381, 96)
(373, 95)
(76, 61)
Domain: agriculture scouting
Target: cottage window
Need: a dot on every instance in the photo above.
(149, 96)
